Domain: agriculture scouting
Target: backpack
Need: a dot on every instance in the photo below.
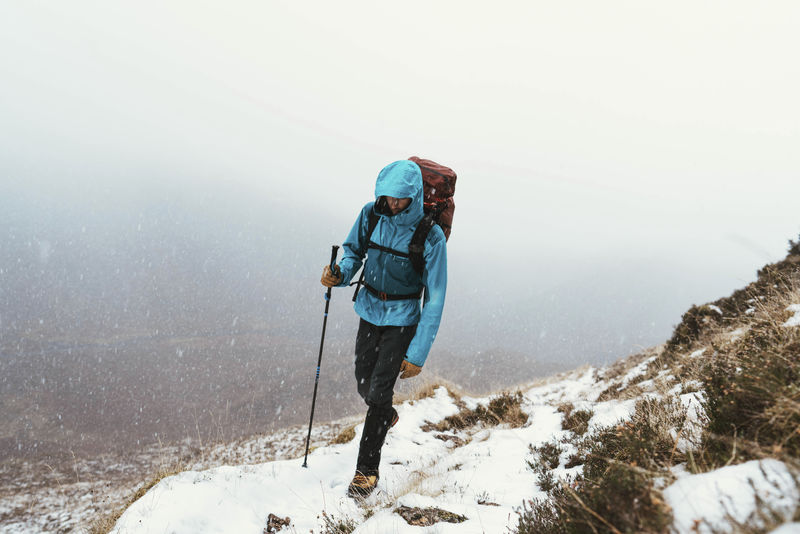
(438, 185)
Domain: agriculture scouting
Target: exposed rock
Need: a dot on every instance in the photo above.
(428, 516)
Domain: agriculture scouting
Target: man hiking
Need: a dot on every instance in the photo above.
(395, 333)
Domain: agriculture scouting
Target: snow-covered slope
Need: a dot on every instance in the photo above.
(479, 473)
(484, 479)
(697, 435)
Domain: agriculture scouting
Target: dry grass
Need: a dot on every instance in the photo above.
(414, 482)
(104, 524)
(660, 370)
(333, 525)
(425, 387)
(749, 371)
(502, 409)
(752, 390)
(616, 491)
(776, 283)
(620, 368)
(576, 421)
(546, 457)
(345, 436)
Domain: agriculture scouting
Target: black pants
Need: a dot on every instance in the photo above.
(379, 353)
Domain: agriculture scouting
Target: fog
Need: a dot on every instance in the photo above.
(172, 177)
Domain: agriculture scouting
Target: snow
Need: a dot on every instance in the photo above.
(795, 320)
(611, 412)
(787, 528)
(239, 499)
(485, 477)
(417, 469)
(737, 334)
(704, 502)
(695, 421)
(636, 372)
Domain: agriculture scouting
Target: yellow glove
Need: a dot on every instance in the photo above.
(330, 279)
(409, 370)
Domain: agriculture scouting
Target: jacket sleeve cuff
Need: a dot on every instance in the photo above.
(415, 354)
(347, 274)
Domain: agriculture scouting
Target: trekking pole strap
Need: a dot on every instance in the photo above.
(358, 285)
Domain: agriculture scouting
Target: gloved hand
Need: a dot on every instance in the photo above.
(409, 370)
(330, 279)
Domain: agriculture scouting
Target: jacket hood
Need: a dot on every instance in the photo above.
(402, 179)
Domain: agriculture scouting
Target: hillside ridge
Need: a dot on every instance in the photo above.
(588, 443)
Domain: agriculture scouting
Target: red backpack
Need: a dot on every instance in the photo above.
(439, 185)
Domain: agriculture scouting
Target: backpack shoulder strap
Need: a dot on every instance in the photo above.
(372, 222)
(417, 245)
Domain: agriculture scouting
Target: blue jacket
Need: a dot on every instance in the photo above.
(394, 274)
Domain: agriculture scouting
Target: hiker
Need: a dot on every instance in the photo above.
(395, 333)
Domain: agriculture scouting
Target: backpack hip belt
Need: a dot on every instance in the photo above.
(387, 296)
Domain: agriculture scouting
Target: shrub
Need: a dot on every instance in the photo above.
(616, 492)
(774, 279)
(548, 454)
(646, 441)
(751, 394)
(576, 421)
(794, 247)
(693, 322)
(541, 516)
(331, 525)
(546, 457)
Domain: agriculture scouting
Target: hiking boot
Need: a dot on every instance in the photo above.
(362, 485)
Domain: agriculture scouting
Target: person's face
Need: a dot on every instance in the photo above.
(397, 204)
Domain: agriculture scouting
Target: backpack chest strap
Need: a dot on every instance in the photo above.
(373, 244)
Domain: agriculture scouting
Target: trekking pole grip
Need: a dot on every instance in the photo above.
(334, 252)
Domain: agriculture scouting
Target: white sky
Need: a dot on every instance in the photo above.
(580, 130)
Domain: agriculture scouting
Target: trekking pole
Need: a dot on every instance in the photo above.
(334, 251)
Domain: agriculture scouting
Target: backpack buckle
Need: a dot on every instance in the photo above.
(383, 296)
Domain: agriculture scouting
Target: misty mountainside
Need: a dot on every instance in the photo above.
(115, 305)
(192, 310)
(698, 434)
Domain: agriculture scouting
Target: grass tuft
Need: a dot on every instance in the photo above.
(426, 388)
(576, 421)
(547, 457)
(332, 525)
(503, 409)
(345, 436)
